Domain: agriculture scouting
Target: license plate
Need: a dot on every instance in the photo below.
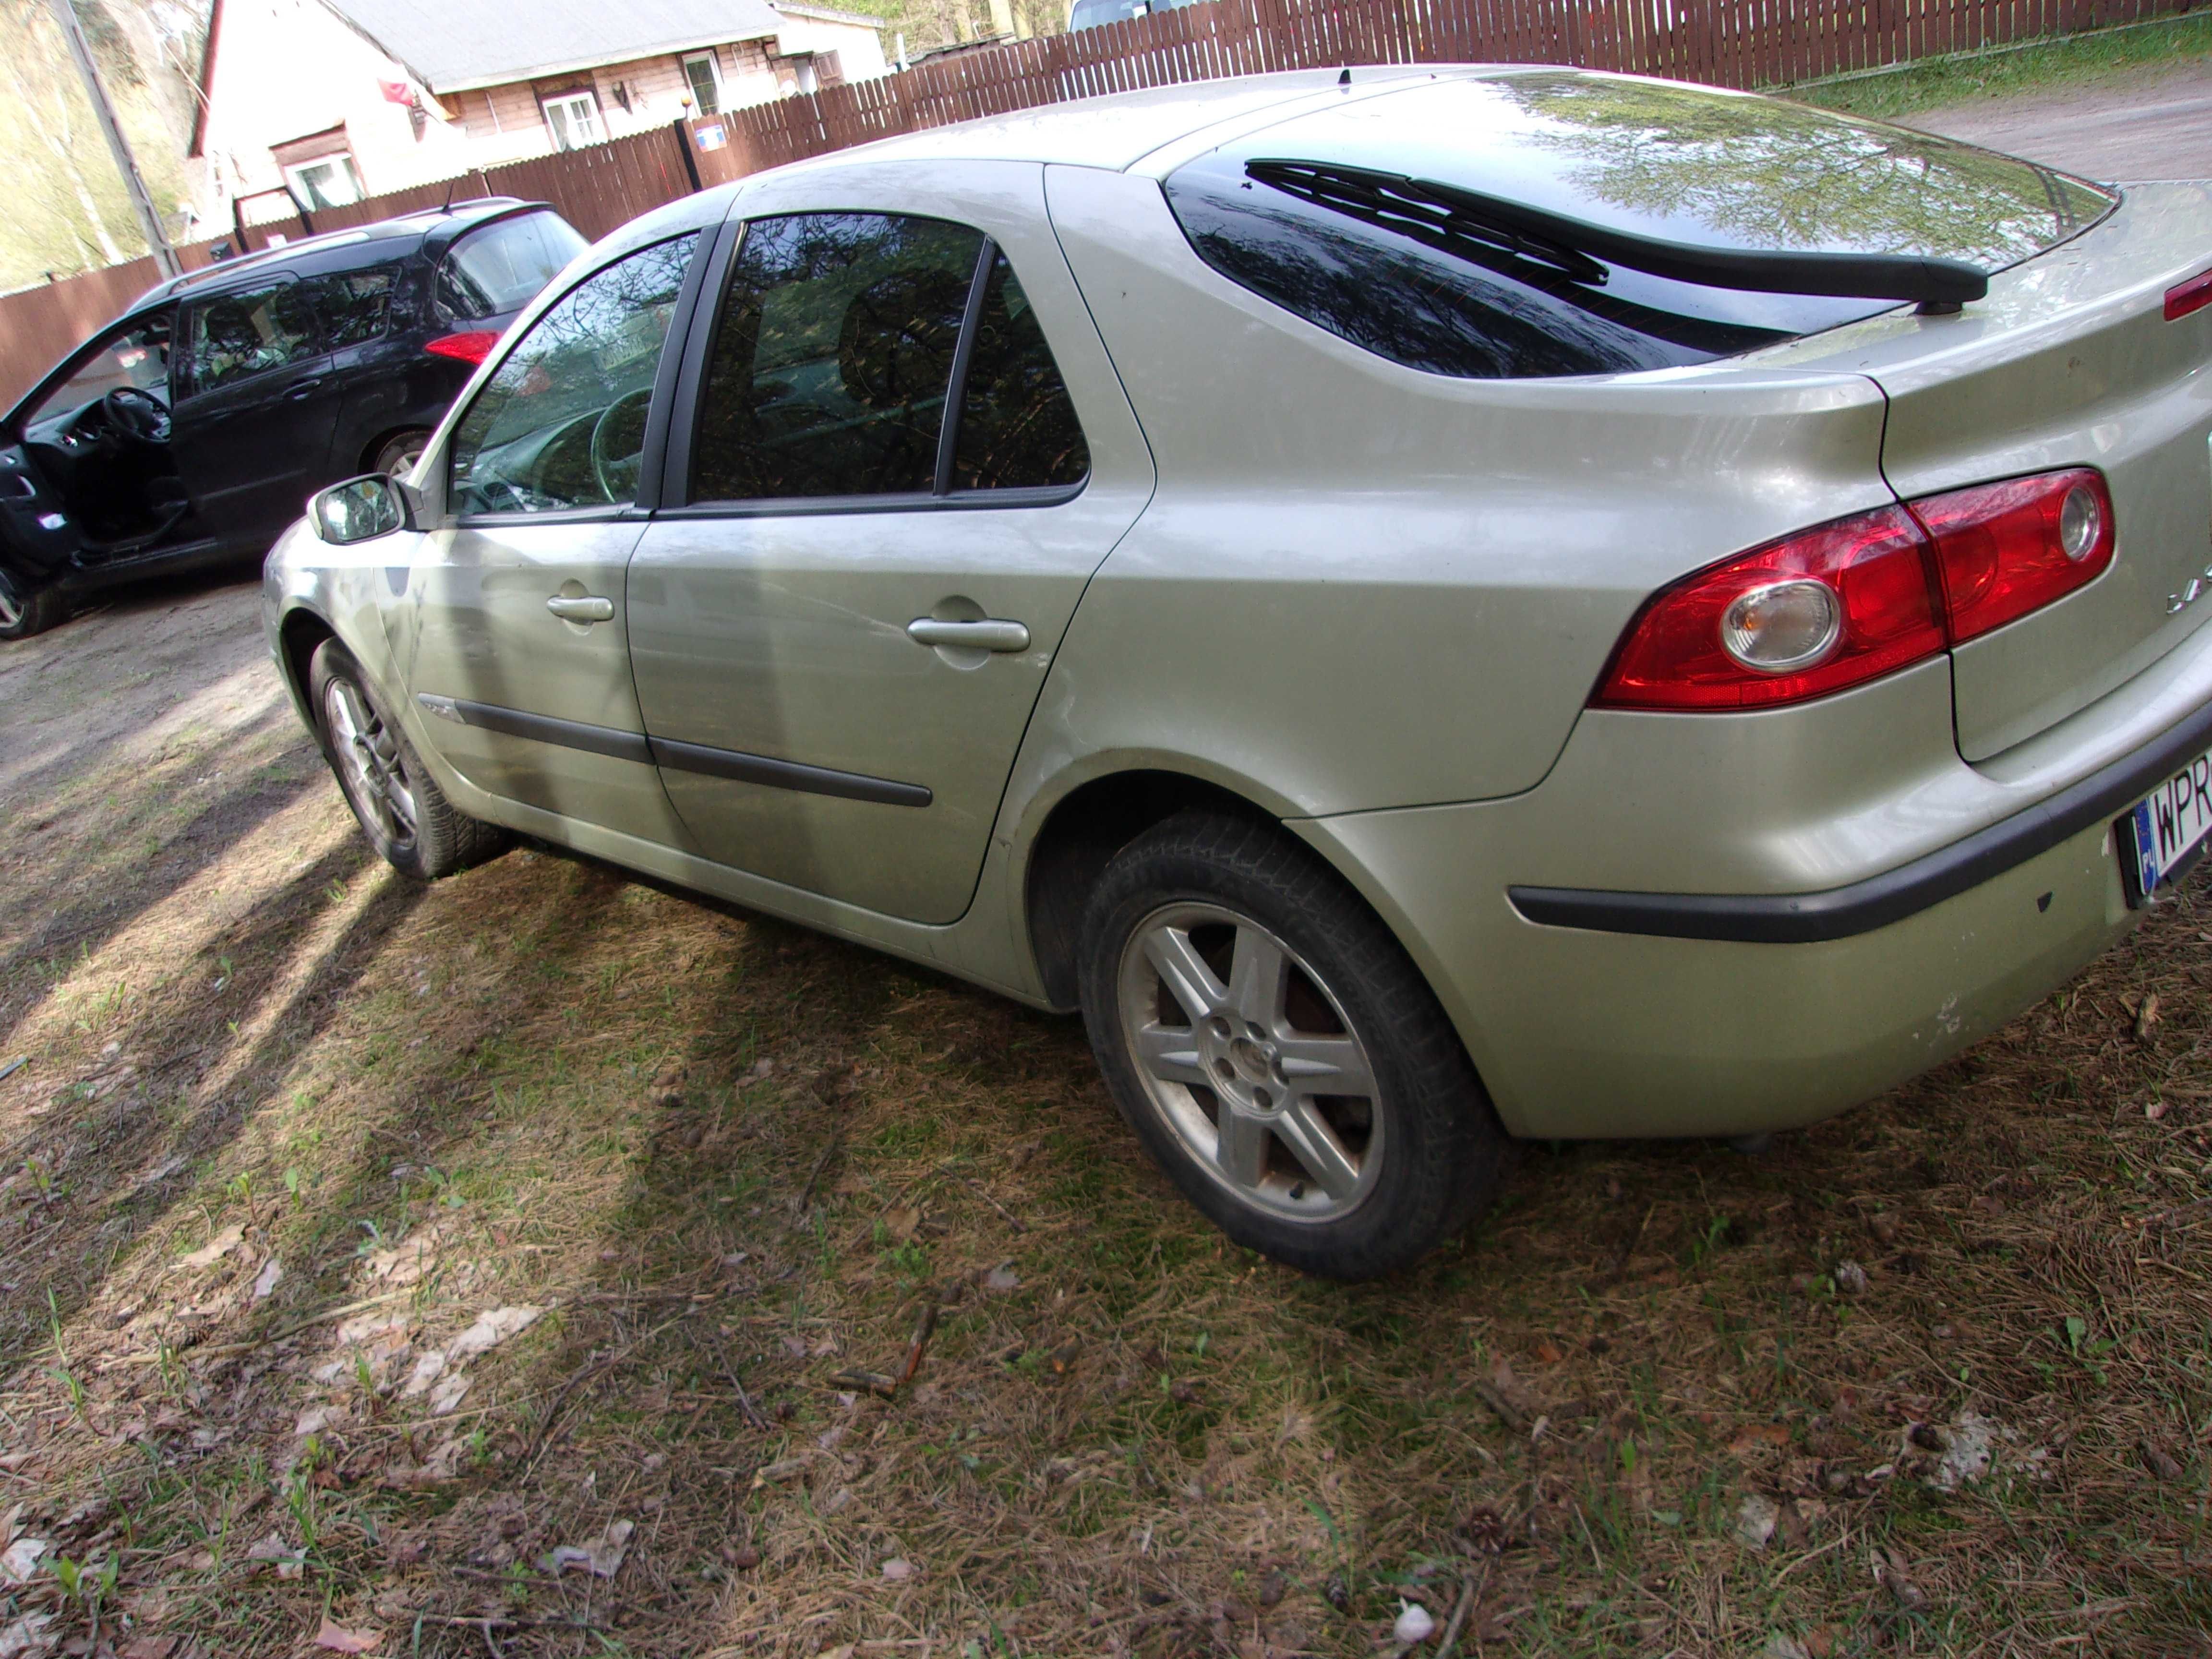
(2166, 831)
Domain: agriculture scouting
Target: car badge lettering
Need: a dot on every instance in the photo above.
(2176, 603)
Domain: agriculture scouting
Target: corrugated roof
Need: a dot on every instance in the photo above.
(454, 45)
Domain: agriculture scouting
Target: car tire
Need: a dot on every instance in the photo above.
(25, 613)
(399, 805)
(1227, 975)
(398, 453)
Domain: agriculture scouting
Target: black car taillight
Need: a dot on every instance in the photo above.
(471, 345)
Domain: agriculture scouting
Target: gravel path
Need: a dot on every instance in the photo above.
(2157, 126)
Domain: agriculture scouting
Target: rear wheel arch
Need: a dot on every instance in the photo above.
(373, 453)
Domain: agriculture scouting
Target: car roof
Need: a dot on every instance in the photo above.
(417, 227)
(1119, 130)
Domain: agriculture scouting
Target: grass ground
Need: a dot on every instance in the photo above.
(2071, 62)
(292, 1126)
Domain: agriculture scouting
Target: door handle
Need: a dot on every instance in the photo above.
(302, 388)
(990, 634)
(590, 609)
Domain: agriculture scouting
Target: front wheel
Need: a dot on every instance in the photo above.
(25, 611)
(405, 814)
(1278, 1053)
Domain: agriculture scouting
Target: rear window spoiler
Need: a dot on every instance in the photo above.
(1440, 214)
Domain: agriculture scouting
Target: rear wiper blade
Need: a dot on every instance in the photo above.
(1426, 209)
(1425, 212)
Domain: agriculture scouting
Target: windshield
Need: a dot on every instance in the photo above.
(137, 357)
(1684, 165)
(500, 267)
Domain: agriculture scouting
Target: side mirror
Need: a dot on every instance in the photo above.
(360, 509)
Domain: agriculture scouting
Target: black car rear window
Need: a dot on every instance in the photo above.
(498, 267)
(1684, 165)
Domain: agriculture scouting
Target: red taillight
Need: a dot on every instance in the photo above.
(1689, 648)
(2194, 295)
(1843, 603)
(470, 346)
(2004, 549)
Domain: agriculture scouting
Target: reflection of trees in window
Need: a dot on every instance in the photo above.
(1393, 296)
(832, 357)
(596, 344)
(1761, 172)
(1018, 429)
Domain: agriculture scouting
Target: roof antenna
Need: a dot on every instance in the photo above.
(450, 183)
(1344, 77)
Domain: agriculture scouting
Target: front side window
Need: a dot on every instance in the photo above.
(706, 81)
(356, 305)
(138, 358)
(834, 359)
(240, 336)
(328, 182)
(498, 267)
(562, 423)
(574, 121)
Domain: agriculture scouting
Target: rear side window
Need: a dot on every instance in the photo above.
(561, 423)
(1018, 429)
(240, 336)
(500, 267)
(837, 354)
(832, 357)
(356, 305)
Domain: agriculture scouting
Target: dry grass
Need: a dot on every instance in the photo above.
(733, 1159)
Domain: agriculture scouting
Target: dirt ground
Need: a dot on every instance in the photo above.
(2153, 123)
(533, 1265)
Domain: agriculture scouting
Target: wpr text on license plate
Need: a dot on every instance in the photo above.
(2168, 829)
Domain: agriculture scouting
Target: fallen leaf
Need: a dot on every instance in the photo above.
(19, 1560)
(898, 1570)
(602, 1557)
(274, 1551)
(27, 1635)
(2160, 1461)
(1966, 1451)
(1546, 1352)
(446, 1394)
(214, 1251)
(1511, 1390)
(1779, 1646)
(339, 1639)
(313, 1420)
(1002, 1279)
(782, 1470)
(148, 1647)
(1755, 1520)
(901, 1223)
(1889, 1572)
(428, 1370)
(1850, 1279)
(266, 1280)
(2146, 1017)
(1753, 1435)
(493, 1327)
(1883, 1224)
(2154, 1109)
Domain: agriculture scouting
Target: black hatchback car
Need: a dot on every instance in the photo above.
(190, 431)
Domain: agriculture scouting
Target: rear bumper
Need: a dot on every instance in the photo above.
(1782, 915)
(1865, 906)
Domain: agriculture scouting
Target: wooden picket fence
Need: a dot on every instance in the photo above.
(1730, 43)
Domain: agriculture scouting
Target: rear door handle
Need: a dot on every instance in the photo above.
(304, 388)
(990, 634)
(590, 609)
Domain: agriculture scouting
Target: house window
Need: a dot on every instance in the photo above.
(705, 75)
(574, 119)
(328, 182)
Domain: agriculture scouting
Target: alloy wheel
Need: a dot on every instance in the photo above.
(369, 762)
(11, 602)
(1250, 1062)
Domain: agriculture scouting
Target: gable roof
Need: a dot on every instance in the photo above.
(456, 46)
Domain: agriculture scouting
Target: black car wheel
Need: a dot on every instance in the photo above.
(25, 611)
(405, 814)
(1278, 1053)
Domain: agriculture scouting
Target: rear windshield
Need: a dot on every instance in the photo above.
(500, 267)
(1678, 164)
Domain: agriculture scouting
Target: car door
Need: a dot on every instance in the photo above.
(258, 406)
(841, 618)
(511, 631)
